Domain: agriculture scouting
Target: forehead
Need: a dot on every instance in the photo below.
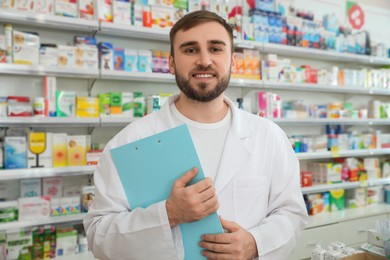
(203, 33)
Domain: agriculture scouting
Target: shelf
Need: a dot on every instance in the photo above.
(32, 70)
(81, 256)
(308, 53)
(134, 31)
(116, 121)
(138, 76)
(344, 185)
(330, 121)
(48, 21)
(16, 174)
(352, 153)
(71, 219)
(328, 218)
(324, 88)
(48, 121)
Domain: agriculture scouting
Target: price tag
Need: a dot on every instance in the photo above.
(363, 183)
(246, 44)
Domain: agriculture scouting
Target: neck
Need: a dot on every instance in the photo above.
(202, 112)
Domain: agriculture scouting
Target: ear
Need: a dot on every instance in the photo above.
(233, 60)
(171, 65)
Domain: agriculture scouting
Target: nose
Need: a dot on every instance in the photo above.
(204, 59)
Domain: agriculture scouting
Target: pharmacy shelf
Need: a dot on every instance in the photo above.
(308, 53)
(116, 121)
(331, 121)
(16, 174)
(352, 153)
(138, 76)
(37, 70)
(328, 218)
(324, 88)
(245, 83)
(82, 256)
(134, 31)
(48, 21)
(71, 219)
(344, 185)
(48, 122)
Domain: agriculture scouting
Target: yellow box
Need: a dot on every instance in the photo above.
(77, 150)
(60, 158)
(87, 102)
(87, 112)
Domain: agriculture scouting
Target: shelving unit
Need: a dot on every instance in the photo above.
(344, 185)
(30, 70)
(16, 174)
(351, 153)
(329, 218)
(70, 219)
(48, 121)
(161, 36)
(48, 21)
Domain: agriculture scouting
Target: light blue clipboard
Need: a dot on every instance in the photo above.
(148, 168)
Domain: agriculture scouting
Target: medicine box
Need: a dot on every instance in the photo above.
(60, 157)
(49, 90)
(25, 48)
(131, 60)
(106, 55)
(30, 188)
(45, 158)
(34, 208)
(65, 103)
(15, 155)
(77, 150)
(52, 187)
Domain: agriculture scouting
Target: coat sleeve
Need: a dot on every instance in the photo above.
(277, 234)
(116, 232)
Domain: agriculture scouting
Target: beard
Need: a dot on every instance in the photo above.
(201, 95)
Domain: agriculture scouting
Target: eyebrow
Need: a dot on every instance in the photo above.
(191, 43)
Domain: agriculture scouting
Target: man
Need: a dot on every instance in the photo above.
(252, 172)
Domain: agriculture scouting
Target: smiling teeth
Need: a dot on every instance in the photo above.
(204, 76)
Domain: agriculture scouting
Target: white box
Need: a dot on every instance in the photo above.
(121, 12)
(52, 187)
(30, 188)
(25, 48)
(34, 208)
(66, 56)
(49, 92)
(48, 56)
(66, 8)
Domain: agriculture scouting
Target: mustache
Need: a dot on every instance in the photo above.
(203, 68)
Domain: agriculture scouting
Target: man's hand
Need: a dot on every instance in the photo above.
(237, 244)
(191, 203)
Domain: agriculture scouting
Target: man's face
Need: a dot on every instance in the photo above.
(202, 61)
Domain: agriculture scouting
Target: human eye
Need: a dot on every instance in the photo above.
(190, 50)
(216, 49)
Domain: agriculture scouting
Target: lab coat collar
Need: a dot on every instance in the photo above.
(235, 154)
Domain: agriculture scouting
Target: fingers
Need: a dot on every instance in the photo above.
(186, 178)
(229, 225)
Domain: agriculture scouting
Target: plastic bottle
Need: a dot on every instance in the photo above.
(8, 42)
(39, 106)
(83, 245)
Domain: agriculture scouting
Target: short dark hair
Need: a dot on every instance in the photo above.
(193, 19)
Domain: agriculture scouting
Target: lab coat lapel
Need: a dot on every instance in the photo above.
(234, 157)
(235, 154)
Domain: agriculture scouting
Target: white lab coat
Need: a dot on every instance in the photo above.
(257, 185)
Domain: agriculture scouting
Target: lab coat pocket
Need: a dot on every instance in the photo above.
(250, 200)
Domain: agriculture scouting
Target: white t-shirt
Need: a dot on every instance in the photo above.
(209, 140)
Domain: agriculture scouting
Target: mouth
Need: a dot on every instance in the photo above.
(203, 75)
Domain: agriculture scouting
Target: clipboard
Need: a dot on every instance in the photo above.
(148, 168)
